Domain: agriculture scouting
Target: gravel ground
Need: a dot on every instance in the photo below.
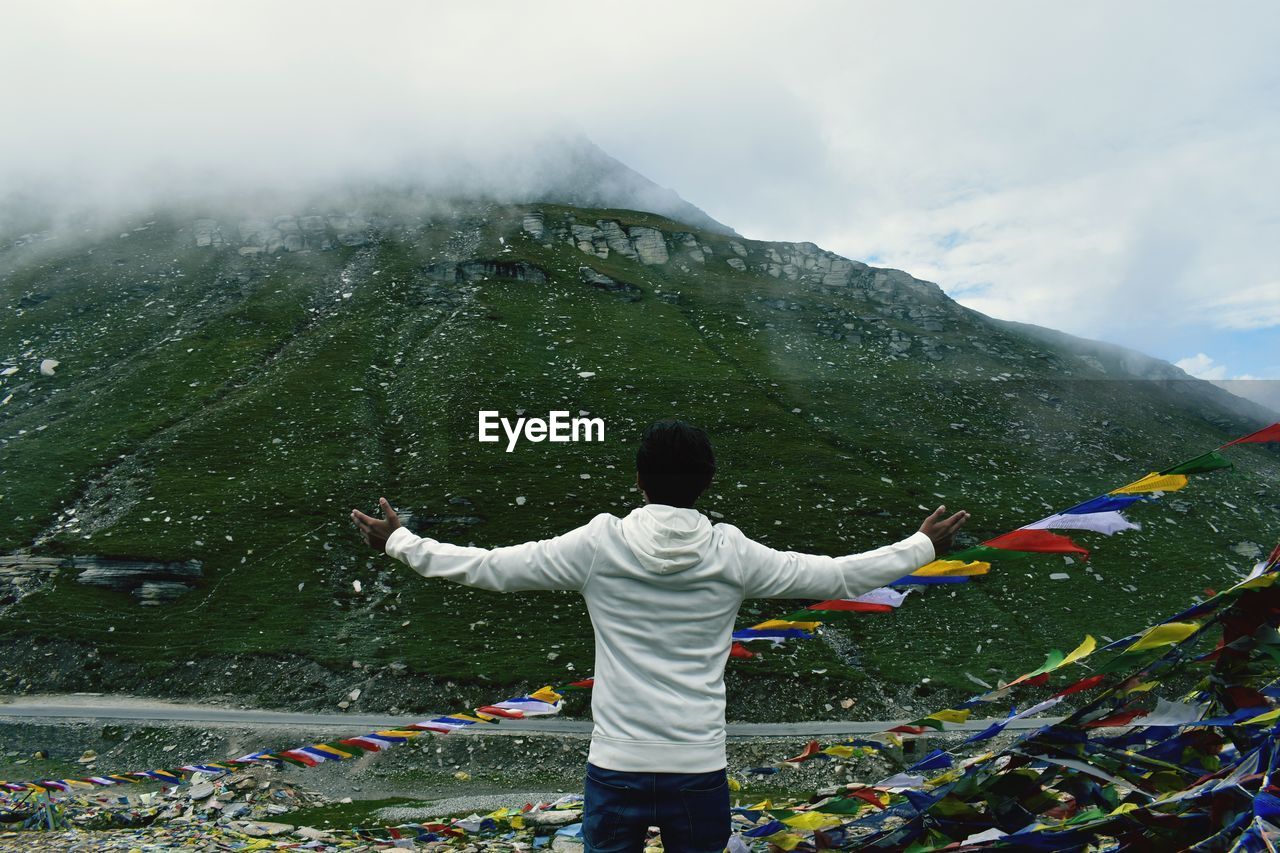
(481, 804)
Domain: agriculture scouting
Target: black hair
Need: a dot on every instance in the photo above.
(675, 462)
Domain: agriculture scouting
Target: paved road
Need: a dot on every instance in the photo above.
(103, 707)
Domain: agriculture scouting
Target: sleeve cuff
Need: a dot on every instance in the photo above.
(926, 546)
(398, 541)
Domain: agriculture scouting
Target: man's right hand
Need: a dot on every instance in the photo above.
(376, 531)
(943, 530)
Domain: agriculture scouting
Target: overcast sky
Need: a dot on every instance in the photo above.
(1108, 169)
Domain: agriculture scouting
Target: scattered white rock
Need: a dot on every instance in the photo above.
(48, 366)
(552, 817)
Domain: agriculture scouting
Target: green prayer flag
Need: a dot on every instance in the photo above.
(1211, 461)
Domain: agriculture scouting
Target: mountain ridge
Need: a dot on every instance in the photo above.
(203, 386)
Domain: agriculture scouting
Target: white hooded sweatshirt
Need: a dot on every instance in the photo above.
(663, 586)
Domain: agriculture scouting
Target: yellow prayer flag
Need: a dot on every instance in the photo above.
(546, 694)
(950, 715)
(734, 784)
(839, 751)
(1143, 687)
(783, 624)
(1081, 651)
(811, 820)
(1164, 635)
(469, 718)
(1260, 582)
(1153, 482)
(950, 776)
(329, 750)
(257, 844)
(785, 840)
(952, 568)
(1266, 717)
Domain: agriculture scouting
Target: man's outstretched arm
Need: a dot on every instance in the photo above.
(563, 562)
(768, 573)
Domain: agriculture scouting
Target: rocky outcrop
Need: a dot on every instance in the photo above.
(151, 583)
(691, 249)
(468, 271)
(597, 279)
(352, 230)
(256, 236)
(208, 233)
(590, 239)
(534, 225)
(616, 238)
(649, 245)
(638, 242)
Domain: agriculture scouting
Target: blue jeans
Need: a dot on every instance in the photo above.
(691, 809)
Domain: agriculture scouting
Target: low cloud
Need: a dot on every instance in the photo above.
(1105, 169)
(1202, 366)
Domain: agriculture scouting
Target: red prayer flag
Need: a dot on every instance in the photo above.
(585, 683)
(500, 712)
(1120, 719)
(870, 796)
(740, 651)
(1246, 697)
(1041, 541)
(1271, 433)
(365, 745)
(853, 606)
(810, 750)
(1083, 684)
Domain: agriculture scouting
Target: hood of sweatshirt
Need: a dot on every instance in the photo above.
(667, 539)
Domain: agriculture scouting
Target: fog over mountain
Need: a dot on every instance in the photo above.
(1066, 166)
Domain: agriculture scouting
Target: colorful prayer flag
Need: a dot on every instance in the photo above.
(1153, 482)
(1266, 434)
(1038, 541)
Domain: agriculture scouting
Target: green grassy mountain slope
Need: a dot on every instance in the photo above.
(230, 385)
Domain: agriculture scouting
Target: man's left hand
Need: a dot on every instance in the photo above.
(376, 531)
